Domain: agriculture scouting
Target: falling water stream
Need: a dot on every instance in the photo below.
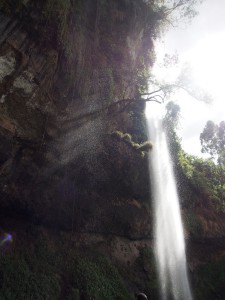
(169, 237)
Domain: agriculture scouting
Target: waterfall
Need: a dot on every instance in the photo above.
(168, 230)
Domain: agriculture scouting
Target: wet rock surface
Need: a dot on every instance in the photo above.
(58, 160)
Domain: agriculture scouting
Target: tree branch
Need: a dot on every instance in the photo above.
(175, 6)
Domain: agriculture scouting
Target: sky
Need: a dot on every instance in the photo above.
(201, 44)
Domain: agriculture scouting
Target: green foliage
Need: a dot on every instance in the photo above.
(170, 124)
(205, 176)
(139, 128)
(37, 271)
(210, 280)
(98, 278)
(186, 163)
(126, 137)
(146, 146)
(193, 224)
(203, 179)
(21, 280)
(148, 263)
(172, 115)
(142, 78)
(122, 136)
(147, 257)
(175, 11)
(213, 141)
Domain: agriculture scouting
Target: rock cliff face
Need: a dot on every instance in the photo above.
(63, 67)
(69, 150)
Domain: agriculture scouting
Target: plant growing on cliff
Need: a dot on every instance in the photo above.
(201, 177)
(99, 279)
(164, 89)
(206, 179)
(21, 280)
(174, 11)
(126, 137)
(40, 269)
(193, 224)
(210, 279)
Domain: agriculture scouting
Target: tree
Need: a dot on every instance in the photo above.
(164, 89)
(213, 141)
(170, 124)
(173, 11)
(172, 115)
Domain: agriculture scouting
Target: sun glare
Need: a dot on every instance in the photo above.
(207, 60)
(154, 109)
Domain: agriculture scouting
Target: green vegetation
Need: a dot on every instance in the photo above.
(148, 282)
(210, 280)
(41, 270)
(175, 11)
(99, 278)
(146, 146)
(213, 141)
(193, 224)
(138, 120)
(126, 137)
(206, 177)
(143, 75)
(170, 123)
(24, 279)
(203, 176)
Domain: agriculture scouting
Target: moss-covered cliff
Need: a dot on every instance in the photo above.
(64, 64)
(74, 180)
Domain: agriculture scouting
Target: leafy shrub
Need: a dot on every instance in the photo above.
(20, 281)
(205, 176)
(193, 224)
(98, 278)
(40, 271)
(126, 137)
(210, 280)
(146, 146)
